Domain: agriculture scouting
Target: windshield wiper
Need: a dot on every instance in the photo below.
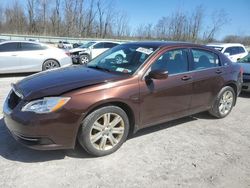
(100, 68)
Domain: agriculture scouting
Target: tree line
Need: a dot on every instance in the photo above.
(101, 19)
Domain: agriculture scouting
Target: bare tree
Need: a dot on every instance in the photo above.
(219, 19)
(162, 28)
(99, 18)
(121, 24)
(195, 23)
(55, 18)
(44, 10)
(1, 17)
(178, 26)
(91, 14)
(101, 12)
(31, 5)
(15, 18)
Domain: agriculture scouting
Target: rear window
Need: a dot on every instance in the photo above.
(232, 50)
(110, 45)
(217, 48)
(31, 46)
(241, 49)
(9, 47)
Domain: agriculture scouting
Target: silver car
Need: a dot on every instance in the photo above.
(26, 56)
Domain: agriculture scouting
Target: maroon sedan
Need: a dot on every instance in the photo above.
(98, 104)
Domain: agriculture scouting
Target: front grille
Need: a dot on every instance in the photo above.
(13, 100)
(246, 80)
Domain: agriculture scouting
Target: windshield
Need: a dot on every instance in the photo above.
(217, 48)
(124, 58)
(87, 45)
(245, 59)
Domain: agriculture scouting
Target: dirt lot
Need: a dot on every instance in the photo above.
(197, 151)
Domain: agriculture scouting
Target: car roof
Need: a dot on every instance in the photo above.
(225, 44)
(98, 41)
(22, 41)
(11, 41)
(161, 44)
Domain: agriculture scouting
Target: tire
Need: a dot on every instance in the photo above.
(50, 64)
(83, 59)
(99, 138)
(119, 59)
(223, 103)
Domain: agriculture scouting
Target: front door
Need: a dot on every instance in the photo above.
(163, 100)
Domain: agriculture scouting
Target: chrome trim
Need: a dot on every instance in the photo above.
(16, 91)
(26, 138)
(6, 108)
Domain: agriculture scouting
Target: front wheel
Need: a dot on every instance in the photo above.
(104, 131)
(84, 59)
(119, 59)
(224, 102)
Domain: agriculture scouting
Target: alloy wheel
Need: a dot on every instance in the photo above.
(84, 59)
(226, 102)
(50, 64)
(107, 131)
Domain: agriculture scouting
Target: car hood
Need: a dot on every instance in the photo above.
(245, 66)
(78, 50)
(57, 82)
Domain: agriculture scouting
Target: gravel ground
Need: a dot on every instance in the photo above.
(196, 151)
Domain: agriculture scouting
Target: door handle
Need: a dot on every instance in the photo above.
(218, 71)
(14, 55)
(186, 78)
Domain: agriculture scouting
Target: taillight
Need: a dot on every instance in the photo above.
(241, 70)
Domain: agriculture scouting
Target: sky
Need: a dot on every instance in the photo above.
(150, 11)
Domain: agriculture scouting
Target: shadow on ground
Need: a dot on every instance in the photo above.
(15, 75)
(244, 94)
(178, 122)
(10, 149)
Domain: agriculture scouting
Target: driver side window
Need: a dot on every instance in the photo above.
(174, 61)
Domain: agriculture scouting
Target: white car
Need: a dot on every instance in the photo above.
(86, 52)
(234, 51)
(64, 45)
(25, 56)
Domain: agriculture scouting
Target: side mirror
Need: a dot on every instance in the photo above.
(158, 74)
(227, 54)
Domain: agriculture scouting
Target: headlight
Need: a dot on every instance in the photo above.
(46, 105)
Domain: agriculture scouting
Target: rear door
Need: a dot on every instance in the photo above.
(9, 60)
(32, 56)
(207, 78)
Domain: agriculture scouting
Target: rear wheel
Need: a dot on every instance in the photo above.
(50, 64)
(224, 102)
(104, 131)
